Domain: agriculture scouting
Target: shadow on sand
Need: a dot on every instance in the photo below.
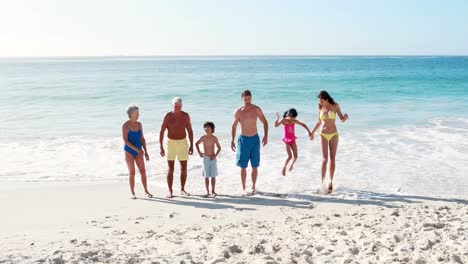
(303, 201)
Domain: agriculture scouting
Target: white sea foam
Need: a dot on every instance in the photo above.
(422, 160)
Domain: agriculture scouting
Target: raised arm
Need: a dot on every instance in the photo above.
(278, 122)
(143, 142)
(190, 133)
(262, 118)
(161, 135)
(340, 115)
(234, 129)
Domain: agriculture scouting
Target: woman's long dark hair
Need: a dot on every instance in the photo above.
(325, 96)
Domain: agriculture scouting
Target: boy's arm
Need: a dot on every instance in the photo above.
(198, 146)
(218, 146)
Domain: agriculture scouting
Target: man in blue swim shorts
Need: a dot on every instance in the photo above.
(248, 143)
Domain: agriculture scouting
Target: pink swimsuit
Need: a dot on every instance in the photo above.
(289, 135)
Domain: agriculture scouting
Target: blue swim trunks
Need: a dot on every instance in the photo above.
(248, 148)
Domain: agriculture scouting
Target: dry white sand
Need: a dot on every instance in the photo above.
(98, 223)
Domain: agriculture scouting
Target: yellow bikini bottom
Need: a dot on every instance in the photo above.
(328, 137)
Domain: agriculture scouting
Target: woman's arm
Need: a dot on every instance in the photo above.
(340, 115)
(143, 142)
(317, 125)
(125, 139)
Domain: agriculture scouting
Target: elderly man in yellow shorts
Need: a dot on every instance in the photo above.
(177, 123)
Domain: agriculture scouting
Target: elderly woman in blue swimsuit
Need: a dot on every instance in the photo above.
(328, 110)
(132, 132)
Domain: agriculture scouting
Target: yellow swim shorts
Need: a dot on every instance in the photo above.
(177, 149)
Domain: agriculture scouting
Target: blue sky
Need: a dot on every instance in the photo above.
(234, 27)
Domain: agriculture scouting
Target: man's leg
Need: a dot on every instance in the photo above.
(255, 162)
(170, 177)
(243, 179)
(254, 179)
(183, 177)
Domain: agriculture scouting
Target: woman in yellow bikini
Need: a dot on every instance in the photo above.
(328, 110)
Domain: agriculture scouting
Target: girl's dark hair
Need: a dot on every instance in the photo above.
(291, 112)
(210, 124)
(325, 96)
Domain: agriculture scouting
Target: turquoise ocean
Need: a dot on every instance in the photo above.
(407, 132)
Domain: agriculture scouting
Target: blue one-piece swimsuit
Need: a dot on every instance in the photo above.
(135, 138)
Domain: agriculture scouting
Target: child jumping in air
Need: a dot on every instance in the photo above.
(210, 169)
(289, 121)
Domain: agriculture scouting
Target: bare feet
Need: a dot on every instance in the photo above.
(244, 193)
(291, 167)
(184, 193)
(149, 195)
(330, 188)
(133, 197)
(284, 171)
(206, 195)
(213, 194)
(253, 191)
(169, 195)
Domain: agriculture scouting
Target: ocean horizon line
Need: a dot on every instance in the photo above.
(230, 56)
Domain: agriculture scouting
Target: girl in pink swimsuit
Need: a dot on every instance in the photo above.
(289, 121)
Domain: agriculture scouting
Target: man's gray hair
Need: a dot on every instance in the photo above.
(132, 109)
(176, 100)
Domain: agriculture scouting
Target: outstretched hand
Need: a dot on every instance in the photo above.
(311, 136)
(345, 117)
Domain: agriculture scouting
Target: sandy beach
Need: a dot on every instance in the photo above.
(98, 223)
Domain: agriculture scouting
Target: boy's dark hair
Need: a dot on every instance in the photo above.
(210, 124)
(292, 112)
(246, 93)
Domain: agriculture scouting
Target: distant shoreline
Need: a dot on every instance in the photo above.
(228, 56)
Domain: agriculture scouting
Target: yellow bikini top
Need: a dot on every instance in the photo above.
(331, 115)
